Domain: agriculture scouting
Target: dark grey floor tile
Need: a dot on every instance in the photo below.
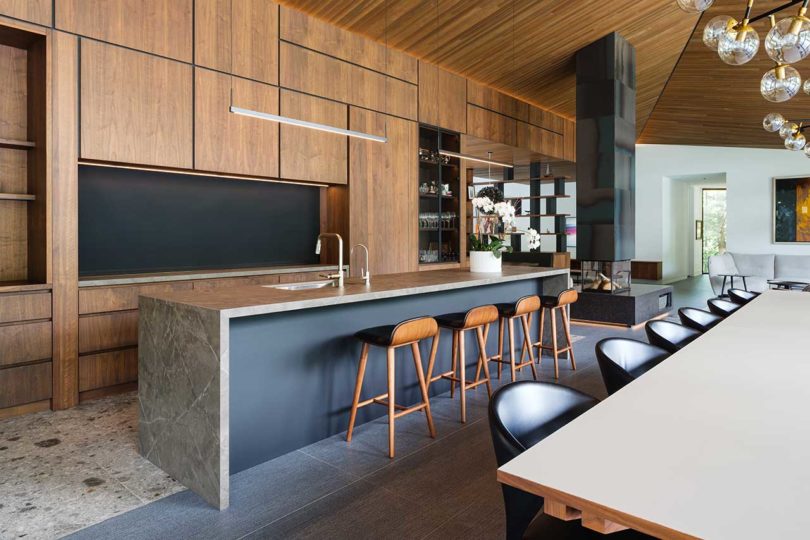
(259, 496)
(360, 511)
(483, 519)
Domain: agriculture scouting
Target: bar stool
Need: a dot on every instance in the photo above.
(507, 313)
(477, 319)
(409, 332)
(554, 304)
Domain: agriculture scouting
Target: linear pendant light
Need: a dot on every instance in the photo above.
(304, 123)
(478, 159)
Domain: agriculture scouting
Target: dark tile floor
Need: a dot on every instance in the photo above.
(435, 488)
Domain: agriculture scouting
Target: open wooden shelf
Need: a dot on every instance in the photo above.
(15, 143)
(17, 197)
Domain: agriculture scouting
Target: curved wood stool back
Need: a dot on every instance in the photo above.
(554, 304)
(409, 332)
(522, 310)
(477, 319)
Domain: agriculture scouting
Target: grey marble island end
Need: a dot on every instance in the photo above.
(231, 378)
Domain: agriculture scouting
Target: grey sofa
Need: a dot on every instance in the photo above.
(758, 269)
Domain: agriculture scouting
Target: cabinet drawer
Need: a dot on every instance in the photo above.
(121, 298)
(108, 369)
(25, 384)
(27, 342)
(108, 331)
(25, 307)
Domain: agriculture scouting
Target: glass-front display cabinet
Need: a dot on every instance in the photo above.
(439, 196)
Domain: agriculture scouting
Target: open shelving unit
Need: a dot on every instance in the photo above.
(440, 197)
(23, 164)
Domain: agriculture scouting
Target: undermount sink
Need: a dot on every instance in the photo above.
(303, 286)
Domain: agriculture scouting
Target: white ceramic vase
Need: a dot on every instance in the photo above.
(484, 262)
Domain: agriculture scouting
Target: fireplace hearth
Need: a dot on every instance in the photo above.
(607, 277)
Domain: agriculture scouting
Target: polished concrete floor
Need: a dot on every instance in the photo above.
(435, 488)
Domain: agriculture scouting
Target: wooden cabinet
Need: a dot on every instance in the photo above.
(35, 11)
(250, 27)
(442, 98)
(539, 140)
(135, 107)
(570, 140)
(546, 120)
(107, 369)
(307, 154)
(382, 198)
(122, 297)
(321, 75)
(25, 307)
(302, 29)
(492, 126)
(231, 143)
(489, 98)
(25, 384)
(25, 342)
(162, 27)
(108, 331)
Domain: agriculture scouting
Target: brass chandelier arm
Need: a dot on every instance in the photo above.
(775, 10)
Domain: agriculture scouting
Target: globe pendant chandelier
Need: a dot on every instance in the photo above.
(787, 42)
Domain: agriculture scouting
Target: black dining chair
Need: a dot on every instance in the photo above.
(699, 319)
(521, 414)
(721, 307)
(741, 296)
(806, 289)
(669, 335)
(623, 360)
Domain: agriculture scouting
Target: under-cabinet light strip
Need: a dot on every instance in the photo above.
(304, 123)
(473, 158)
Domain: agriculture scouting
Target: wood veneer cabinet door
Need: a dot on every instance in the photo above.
(570, 140)
(492, 126)
(539, 140)
(489, 98)
(383, 197)
(36, 11)
(135, 107)
(253, 32)
(442, 98)
(307, 154)
(546, 119)
(25, 384)
(162, 27)
(231, 143)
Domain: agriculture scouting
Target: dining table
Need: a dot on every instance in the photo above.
(713, 443)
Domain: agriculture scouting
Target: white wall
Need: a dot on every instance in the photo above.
(661, 200)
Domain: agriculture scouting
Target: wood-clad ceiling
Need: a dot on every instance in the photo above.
(707, 102)
(524, 48)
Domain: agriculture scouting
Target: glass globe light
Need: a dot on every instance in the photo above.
(772, 122)
(806, 86)
(788, 41)
(738, 45)
(780, 84)
(694, 6)
(807, 150)
(716, 28)
(788, 129)
(795, 142)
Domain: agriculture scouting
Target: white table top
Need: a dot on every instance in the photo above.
(714, 442)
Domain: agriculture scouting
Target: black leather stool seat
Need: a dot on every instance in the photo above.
(377, 335)
(545, 526)
(452, 320)
(549, 301)
(506, 310)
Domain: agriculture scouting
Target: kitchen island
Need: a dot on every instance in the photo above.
(231, 378)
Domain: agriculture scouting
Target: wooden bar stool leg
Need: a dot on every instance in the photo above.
(420, 376)
(432, 360)
(527, 342)
(540, 336)
(567, 327)
(454, 366)
(512, 346)
(501, 324)
(358, 387)
(554, 342)
(391, 401)
(462, 380)
(482, 358)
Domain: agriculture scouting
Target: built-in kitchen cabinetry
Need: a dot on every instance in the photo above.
(440, 208)
(442, 98)
(135, 107)
(35, 11)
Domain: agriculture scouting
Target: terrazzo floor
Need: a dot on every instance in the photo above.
(61, 471)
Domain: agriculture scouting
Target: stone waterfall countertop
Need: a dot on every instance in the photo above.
(260, 300)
